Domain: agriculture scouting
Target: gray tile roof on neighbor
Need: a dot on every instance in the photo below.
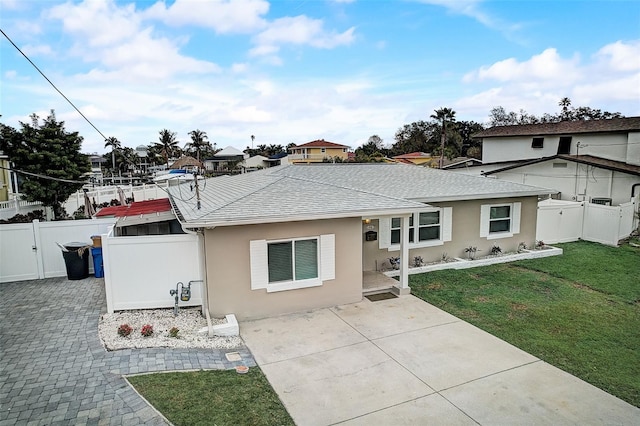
(626, 124)
(332, 190)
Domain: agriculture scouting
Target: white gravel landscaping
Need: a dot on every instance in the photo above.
(189, 322)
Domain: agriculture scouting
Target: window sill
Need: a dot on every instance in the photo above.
(293, 285)
(423, 244)
(498, 235)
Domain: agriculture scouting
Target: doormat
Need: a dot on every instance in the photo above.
(381, 296)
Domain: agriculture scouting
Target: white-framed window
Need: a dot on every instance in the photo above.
(427, 228)
(323, 150)
(499, 220)
(288, 264)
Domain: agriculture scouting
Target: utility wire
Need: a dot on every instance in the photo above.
(43, 176)
(53, 85)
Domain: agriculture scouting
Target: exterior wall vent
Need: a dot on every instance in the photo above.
(603, 201)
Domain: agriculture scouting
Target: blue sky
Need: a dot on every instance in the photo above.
(295, 71)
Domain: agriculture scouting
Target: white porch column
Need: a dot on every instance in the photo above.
(403, 285)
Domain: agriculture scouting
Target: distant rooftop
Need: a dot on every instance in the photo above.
(320, 143)
(564, 127)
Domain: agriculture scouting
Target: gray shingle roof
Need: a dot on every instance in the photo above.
(299, 192)
(564, 128)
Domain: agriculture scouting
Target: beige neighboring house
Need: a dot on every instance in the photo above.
(5, 177)
(318, 151)
(299, 237)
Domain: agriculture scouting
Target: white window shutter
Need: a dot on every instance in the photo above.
(515, 218)
(328, 257)
(485, 212)
(384, 232)
(259, 264)
(446, 223)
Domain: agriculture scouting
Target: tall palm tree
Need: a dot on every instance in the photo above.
(199, 142)
(444, 115)
(115, 145)
(168, 144)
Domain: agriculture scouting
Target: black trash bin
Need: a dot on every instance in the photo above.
(76, 260)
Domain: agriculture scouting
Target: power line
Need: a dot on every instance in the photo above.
(53, 85)
(43, 176)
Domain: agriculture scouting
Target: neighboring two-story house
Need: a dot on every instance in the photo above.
(594, 160)
(318, 151)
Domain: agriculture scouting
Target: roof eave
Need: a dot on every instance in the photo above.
(303, 218)
(486, 196)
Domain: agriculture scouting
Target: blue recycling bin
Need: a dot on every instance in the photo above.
(98, 267)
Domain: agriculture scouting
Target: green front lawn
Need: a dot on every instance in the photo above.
(213, 398)
(579, 311)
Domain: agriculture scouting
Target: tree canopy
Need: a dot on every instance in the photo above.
(168, 145)
(265, 150)
(48, 158)
(500, 117)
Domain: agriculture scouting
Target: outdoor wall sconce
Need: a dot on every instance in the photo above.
(367, 221)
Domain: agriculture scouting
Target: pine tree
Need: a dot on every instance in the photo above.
(50, 157)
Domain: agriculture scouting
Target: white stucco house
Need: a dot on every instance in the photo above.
(594, 160)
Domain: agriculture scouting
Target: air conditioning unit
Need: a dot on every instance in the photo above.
(602, 201)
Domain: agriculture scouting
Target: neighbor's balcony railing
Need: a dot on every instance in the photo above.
(314, 157)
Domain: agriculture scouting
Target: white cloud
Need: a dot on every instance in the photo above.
(609, 77)
(223, 16)
(114, 38)
(471, 9)
(299, 30)
(99, 23)
(38, 50)
(548, 68)
(620, 56)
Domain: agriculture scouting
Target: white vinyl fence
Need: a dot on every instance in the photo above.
(140, 271)
(13, 207)
(101, 194)
(104, 194)
(29, 251)
(565, 221)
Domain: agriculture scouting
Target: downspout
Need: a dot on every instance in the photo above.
(202, 260)
(633, 190)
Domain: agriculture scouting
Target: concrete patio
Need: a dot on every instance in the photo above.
(403, 361)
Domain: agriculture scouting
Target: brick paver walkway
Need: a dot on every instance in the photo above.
(54, 370)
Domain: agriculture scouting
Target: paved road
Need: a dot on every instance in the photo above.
(54, 370)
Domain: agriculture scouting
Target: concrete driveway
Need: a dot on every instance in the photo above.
(403, 361)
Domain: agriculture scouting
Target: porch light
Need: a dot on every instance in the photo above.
(367, 221)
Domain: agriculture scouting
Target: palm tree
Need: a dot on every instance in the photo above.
(168, 144)
(199, 142)
(115, 145)
(443, 114)
(565, 104)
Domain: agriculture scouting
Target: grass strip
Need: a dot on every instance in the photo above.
(556, 310)
(213, 397)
